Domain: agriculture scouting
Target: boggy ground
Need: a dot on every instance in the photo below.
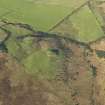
(73, 84)
(97, 61)
(78, 81)
(18, 88)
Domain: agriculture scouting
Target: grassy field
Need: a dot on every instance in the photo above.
(43, 15)
(39, 63)
(11, 43)
(40, 14)
(86, 24)
(83, 26)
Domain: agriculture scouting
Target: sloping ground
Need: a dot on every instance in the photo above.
(53, 68)
(84, 25)
(2, 35)
(48, 69)
(38, 68)
(79, 20)
(40, 14)
(72, 85)
(97, 60)
(18, 88)
(100, 0)
(30, 50)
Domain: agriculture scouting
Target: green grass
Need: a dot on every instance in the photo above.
(83, 26)
(41, 15)
(66, 29)
(86, 24)
(2, 35)
(39, 63)
(4, 11)
(100, 0)
(12, 44)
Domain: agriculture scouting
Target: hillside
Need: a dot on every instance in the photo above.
(52, 52)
